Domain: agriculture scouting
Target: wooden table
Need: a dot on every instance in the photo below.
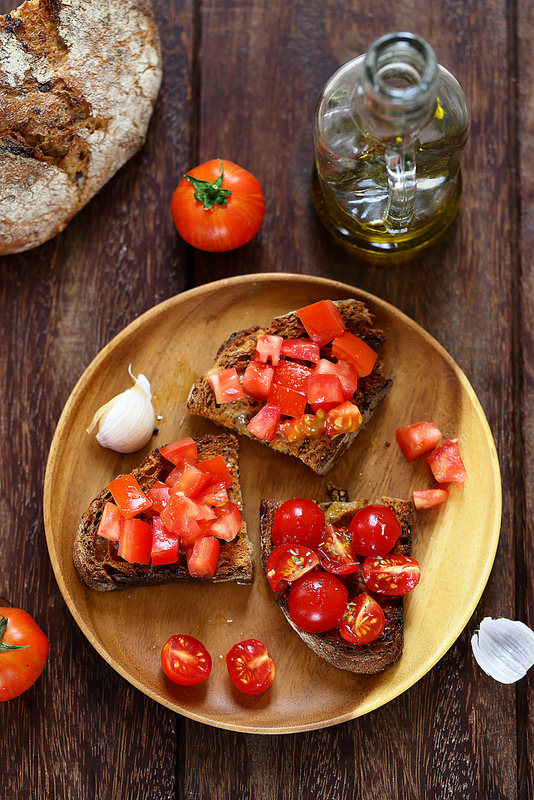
(240, 81)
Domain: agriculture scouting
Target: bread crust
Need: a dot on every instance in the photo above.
(238, 350)
(96, 559)
(78, 83)
(367, 658)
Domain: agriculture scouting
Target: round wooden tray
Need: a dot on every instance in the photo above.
(455, 544)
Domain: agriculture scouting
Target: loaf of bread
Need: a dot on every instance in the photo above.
(78, 83)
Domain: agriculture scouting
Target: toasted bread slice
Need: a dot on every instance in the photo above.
(319, 454)
(366, 658)
(96, 559)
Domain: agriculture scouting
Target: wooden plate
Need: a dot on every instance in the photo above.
(172, 343)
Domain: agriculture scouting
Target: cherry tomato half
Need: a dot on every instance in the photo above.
(23, 652)
(335, 552)
(289, 562)
(298, 521)
(363, 620)
(218, 206)
(392, 575)
(374, 530)
(250, 666)
(317, 601)
(185, 660)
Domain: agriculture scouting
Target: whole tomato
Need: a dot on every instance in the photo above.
(23, 652)
(218, 206)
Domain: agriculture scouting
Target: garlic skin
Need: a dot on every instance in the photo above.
(504, 648)
(126, 422)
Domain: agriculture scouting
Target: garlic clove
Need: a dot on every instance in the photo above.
(504, 648)
(126, 422)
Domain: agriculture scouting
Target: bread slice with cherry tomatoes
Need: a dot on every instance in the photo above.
(176, 517)
(304, 386)
(366, 658)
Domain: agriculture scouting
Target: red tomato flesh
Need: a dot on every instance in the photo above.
(203, 557)
(348, 347)
(165, 545)
(185, 660)
(188, 479)
(391, 575)
(363, 620)
(418, 438)
(226, 385)
(446, 463)
(181, 516)
(322, 321)
(298, 521)
(335, 552)
(294, 376)
(135, 543)
(289, 562)
(265, 423)
(317, 601)
(110, 524)
(268, 348)
(227, 522)
(217, 470)
(428, 498)
(129, 496)
(257, 380)
(345, 418)
(374, 531)
(324, 391)
(23, 652)
(159, 496)
(346, 372)
(250, 666)
(214, 495)
(290, 402)
(301, 350)
(182, 450)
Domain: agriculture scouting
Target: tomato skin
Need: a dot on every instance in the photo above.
(185, 660)
(324, 391)
(264, 424)
(290, 402)
(19, 669)
(224, 227)
(322, 321)
(351, 348)
(203, 557)
(301, 350)
(165, 545)
(182, 450)
(110, 524)
(429, 498)
(446, 463)
(317, 601)
(135, 542)
(363, 621)
(294, 376)
(250, 666)
(298, 521)
(226, 386)
(374, 530)
(129, 496)
(345, 371)
(227, 523)
(257, 380)
(289, 562)
(217, 470)
(417, 439)
(391, 575)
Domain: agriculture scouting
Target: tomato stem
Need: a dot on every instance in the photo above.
(210, 194)
(3, 646)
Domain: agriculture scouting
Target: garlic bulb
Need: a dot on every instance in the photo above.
(503, 648)
(126, 422)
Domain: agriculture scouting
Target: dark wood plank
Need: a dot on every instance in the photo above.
(82, 731)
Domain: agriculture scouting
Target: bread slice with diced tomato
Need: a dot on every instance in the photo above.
(360, 658)
(242, 352)
(97, 558)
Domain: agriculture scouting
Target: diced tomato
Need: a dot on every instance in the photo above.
(446, 463)
(335, 552)
(264, 423)
(110, 524)
(214, 495)
(345, 418)
(182, 450)
(289, 562)
(188, 479)
(203, 557)
(227, 523)
(348, 347)
(418, 438)
(226, 385)
(363, 620)
(301, 349)
(322, 321)
(257, 380)
(165, 545)
(182, 515)
(268, 349)
(309, 426)
(428, 498)
(345, 371)
(135, 542)
(129, 496)
(294, 376)
(159, 495)
(290, 402)
(217, 470)
(324, 391)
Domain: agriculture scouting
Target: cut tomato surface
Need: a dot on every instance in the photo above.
(301, 350)
(428, 498)
(335, 552)
(165, 545)
(182, 450)
(324, 391)
(226, 385)
(417, 439)
(290, 402)
(203, 557)
(363, 620)
(217, 470)
(391, 575)
(446, 463)
(308, 426)
(322, 321)
(265, 423)
(182, 515)
(135, 543)
(345, 371)
(250, 666)
(214, 495)
(189, 479)
(345, 418)
(159, 496)
(129, 496)
(268, 349)
(294, 376)
(289, 562)
(348, 347)
(185, 660)
(257, 380)
(227, 522)
(374, 530)
(110, 524)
